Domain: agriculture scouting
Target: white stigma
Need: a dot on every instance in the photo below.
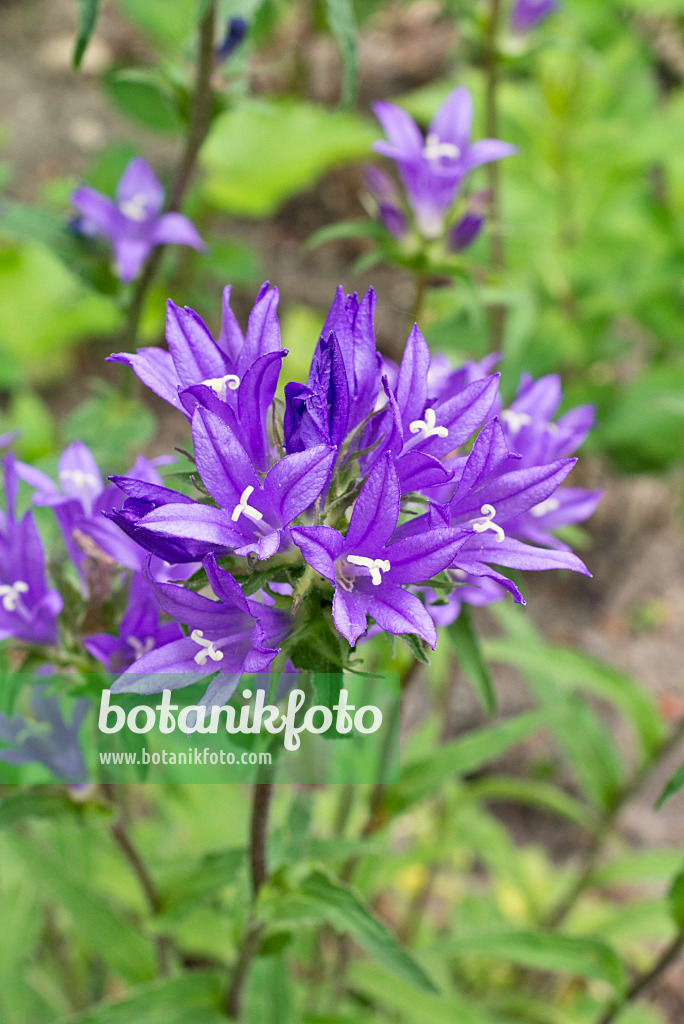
(140, 647)
(376, 566)
(10, 594)
(516, 420)
(243, 506)
(488, 511)
(208, 648)
(428, 426)
(135, 208)
(219, 385)
(435, 150)
(550, 505)
(81, 479)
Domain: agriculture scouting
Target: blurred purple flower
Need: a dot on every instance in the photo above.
(433, 167)
(385, 193)
(527, 14)
(47, 739)
(134, 223)
(236, 31)
(468, 227)
(28, 608)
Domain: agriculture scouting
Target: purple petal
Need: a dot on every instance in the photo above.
(294, 482)
(140, 185)
(255, 394)
(211, 526)
(515, 555)
(522, 489)
(225, 586)
(462, 415)
(453, 122)
(417, 470)
(411, 390)
(263, 329)
(156, 369)
(376, 510)
(396, 611)
(349, 614)
(231, 338)
(486, 151)
(98, 209)
(320, 546)
(176, 229)
(419, 558)
(223, 463)
(79, 475)
(129, 255)
(400, 128)
(196, 355)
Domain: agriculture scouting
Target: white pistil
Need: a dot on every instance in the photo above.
(10, 594)
(81, 479)
(219, 385)
(135, 208)
(428, 426)
(516, 420)
(550, 505)
(435, 150)
(208, 648)
(140, 647)
(487, 523)
(243, 506)
(376, 566)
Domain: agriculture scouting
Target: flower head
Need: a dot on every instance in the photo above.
(134, 223)
(432, 167)
(47, 738)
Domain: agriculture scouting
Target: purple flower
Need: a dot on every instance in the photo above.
(230, 636)
(251, 514)
(433, 167)
(368, 570)
(235, 375)
(47, 738)
(134, 223)
(28, 608)
(468, 227)
(81, 503)
(527, 14)
(139, 632)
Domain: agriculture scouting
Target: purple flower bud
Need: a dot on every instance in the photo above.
(386, 195)
(527, 14)
(236, 30)
(465, 231)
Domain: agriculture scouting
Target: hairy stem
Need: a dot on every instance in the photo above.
(645, 980)
(135, 861)
(198, 126)
(497, 258)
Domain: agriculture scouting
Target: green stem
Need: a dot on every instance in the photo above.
(645, 980)
(198, 126)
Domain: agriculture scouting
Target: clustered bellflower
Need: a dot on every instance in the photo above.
(432, 169)
(339, 506)
(133, 223)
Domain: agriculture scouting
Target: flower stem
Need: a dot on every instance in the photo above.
(497, 259)
(123, 840)
(262, 793)
(198, 125)
(645, 980)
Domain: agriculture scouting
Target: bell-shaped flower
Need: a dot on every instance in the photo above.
(47, 738)
(236, 375)
(28, 607)
(134, 223)
(433, 167)
(369, 569)
(251, 515)
(231, 635)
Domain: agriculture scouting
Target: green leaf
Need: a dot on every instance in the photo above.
(259, 154)
(143, 97)
(269, 998)
(340, 15)
(675, 899)
(544, 951)
(417, 646)
(183, 891)
(461, 756)
(88, 13)
(320, 898)
(672, 787)
(34, 804)
(193, 997)
(464, 639)
(345, 229)
(532, 791)
(120, 944)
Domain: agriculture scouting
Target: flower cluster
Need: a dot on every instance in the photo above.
(374, 496)
(433, 169)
